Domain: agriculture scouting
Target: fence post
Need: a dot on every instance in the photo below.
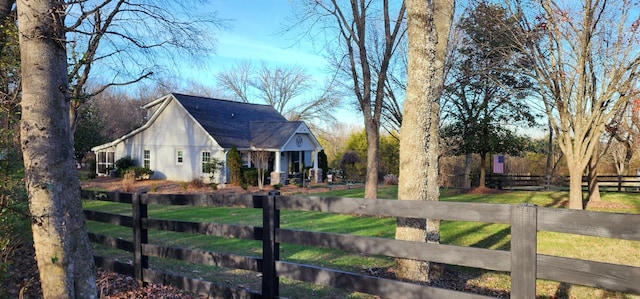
(140, 236)
(524, 251)
(270, 249)
(619, 183)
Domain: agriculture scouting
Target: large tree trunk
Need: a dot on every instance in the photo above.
(468, 159)
(373, 146)
(60, 239)
(483, 170)
(575, 189)
(428, 30)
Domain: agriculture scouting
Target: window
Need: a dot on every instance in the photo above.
(179, 157)
(147, 159)
(206, 159)
(105, 161)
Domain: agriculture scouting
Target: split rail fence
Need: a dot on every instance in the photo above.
(613, 183)
(522, 260)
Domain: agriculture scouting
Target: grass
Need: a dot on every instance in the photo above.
(483, 235)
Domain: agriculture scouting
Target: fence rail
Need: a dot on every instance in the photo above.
(619, 183)
(522, 260)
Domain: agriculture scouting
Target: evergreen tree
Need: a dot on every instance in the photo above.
(234, 164)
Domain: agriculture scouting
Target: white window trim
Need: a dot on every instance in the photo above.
(145, 159)
(179, 155)
(202, 160)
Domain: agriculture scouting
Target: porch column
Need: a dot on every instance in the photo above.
(316, 173)
(276, 175)
(277, 162)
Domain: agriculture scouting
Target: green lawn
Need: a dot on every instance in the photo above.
(493, 236)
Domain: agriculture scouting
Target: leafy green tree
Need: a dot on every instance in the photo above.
(388, 161)
(234, 164)
(89, 131)
(323, 163)
(348, 163)
(485, 89)
(389, 155)
(357, 143)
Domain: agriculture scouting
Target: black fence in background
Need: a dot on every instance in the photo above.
(612, 183)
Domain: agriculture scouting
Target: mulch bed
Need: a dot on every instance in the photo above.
(23, 281)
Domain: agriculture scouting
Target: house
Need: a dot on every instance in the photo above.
(185, 133)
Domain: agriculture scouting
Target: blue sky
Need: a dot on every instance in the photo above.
(254, 36)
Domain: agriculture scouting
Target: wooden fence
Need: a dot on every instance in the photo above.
(616, 183)
(522, 260)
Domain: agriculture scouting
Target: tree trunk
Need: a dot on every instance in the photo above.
(594, 188)
(548, 169)
(468, 159)
(373, 146)
(483, 170)
(428, 28)
(575, 189)
(60, 239)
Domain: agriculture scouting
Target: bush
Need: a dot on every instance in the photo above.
(123, 164)
(142, 172)
(93, 166)
(129, 181)
(250, 176)
(197, 183)
(390, 179)
(213, 186)
(277, 186)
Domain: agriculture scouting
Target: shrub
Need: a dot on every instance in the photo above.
(250, 176)
(244, 186)
(390, 179)
(277, 186)
(128, 181)
(184, 186)
(142, 172)
(92, 169)
(197, 183)
(154, 187)
(213, 186)
(123, 164)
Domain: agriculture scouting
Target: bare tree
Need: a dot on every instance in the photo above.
(260, 160)
(624, 128)
(428, 25)
(130, 41)
(349, 28)
(286, 89)
(585, 63)
(120, 113)
(60, 238)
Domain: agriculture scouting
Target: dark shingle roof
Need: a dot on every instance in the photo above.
(264, 135)
(230, 122)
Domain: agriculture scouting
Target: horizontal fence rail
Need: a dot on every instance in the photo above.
(615, 183)
(522, 260)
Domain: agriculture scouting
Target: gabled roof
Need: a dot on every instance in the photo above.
(263, 135)
(229, 122)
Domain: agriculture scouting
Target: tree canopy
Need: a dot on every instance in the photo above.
(486, 89)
